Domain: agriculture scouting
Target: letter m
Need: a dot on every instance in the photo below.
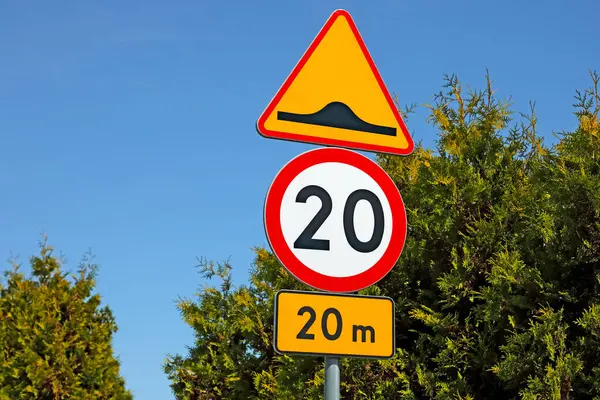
(363, 330)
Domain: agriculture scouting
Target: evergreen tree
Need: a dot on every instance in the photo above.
(55, 340)
(497, 289)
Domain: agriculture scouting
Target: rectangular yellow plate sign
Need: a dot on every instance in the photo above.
(319, 324)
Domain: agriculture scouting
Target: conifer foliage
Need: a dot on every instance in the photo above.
(55, 339)
(497, 290)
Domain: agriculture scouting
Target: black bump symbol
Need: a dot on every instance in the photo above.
(336, 115)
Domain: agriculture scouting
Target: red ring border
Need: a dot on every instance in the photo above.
(285, 255)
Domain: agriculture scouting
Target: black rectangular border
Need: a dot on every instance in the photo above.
(275, 307)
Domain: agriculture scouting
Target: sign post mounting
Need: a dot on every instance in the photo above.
(334, 218)
(337, 222)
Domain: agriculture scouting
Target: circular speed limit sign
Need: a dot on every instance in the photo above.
(335, 220)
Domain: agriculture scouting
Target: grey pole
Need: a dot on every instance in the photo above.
(332, 378)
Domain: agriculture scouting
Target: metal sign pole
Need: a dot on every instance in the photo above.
(332, 378)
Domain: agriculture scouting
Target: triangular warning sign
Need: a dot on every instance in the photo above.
(335, 96)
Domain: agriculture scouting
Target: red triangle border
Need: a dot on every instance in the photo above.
(260, 125)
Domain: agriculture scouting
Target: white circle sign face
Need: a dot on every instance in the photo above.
(339, 181)
(335, 220)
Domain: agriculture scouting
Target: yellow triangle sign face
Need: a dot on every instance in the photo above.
(336, 97)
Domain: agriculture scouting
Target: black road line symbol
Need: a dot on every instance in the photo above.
(336, 115)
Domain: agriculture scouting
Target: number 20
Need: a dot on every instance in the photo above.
(306, 240)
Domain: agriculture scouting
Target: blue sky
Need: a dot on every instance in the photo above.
(128, 127)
